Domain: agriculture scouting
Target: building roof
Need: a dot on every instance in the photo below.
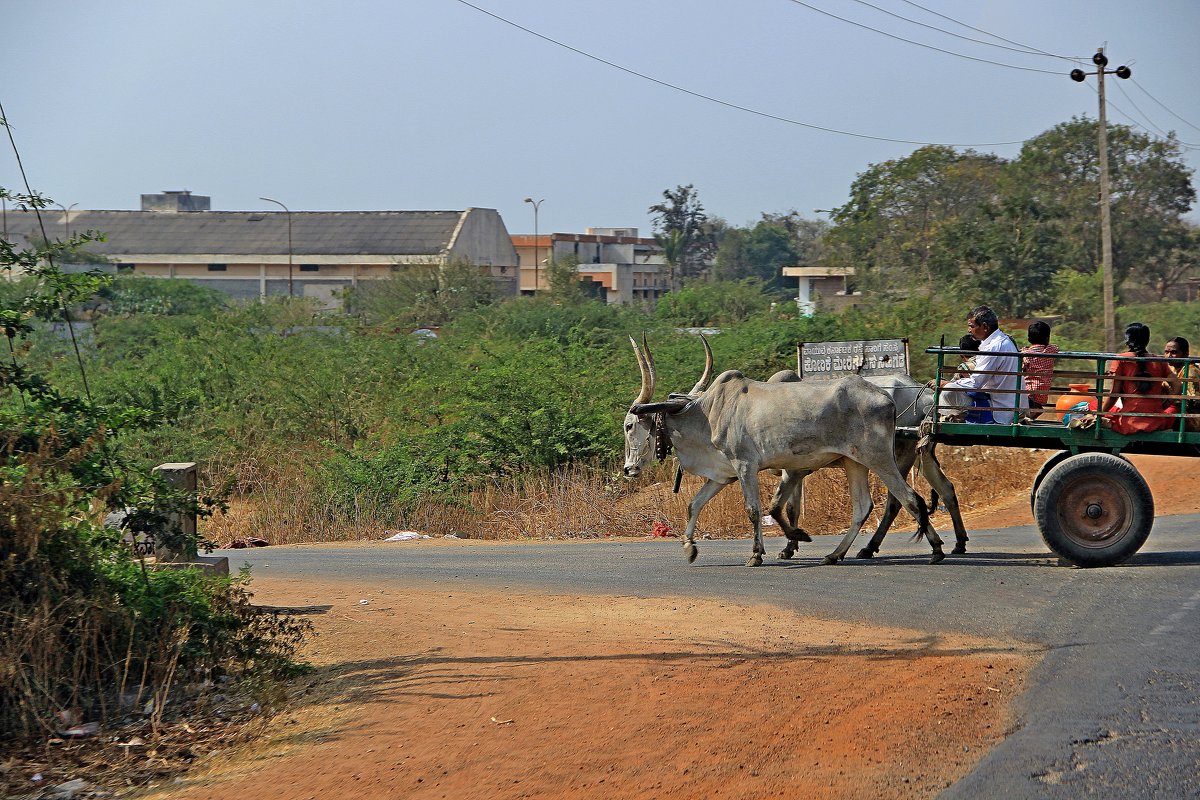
(817, 272)
(252, 232)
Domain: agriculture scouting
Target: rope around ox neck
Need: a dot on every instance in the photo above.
(662, 437)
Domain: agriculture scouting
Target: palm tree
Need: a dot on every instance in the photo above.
(674, 247)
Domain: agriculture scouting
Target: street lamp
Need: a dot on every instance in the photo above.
(287, 211)
(1078, 75)
(67, 217)
(536, 205)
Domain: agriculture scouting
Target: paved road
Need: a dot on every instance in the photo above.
(1112, 711)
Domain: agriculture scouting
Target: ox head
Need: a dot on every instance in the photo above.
(639, 427)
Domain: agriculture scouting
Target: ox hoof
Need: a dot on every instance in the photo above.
(937, 556)
(866, 552)
(959, 550)
(755, 560)
(691, 551)
(829, 560)
(786, 554)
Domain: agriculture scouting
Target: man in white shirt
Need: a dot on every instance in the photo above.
(1002, 389)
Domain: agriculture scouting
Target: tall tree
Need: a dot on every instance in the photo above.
(1151, 190)
(759, 252)
(890, 227)
(680, 215)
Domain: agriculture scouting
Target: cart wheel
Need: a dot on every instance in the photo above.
(1051, 462)
(1094, 509)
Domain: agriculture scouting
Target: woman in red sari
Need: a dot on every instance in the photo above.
(1139, 386)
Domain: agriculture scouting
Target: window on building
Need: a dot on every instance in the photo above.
(218, 267)
(310, 267)
(123, 269)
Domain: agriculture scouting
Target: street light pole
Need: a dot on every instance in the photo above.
(287, 211)
(1110, 316)
(67, 216)
(536, 205)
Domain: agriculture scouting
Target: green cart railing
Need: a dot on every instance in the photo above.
(1092, 506)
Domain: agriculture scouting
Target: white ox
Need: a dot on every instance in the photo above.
(914, 402)
(739, 427)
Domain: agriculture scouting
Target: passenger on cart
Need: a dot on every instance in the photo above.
(1179, 348)
(1138, 387)
(1039, 371)
(1000, 390)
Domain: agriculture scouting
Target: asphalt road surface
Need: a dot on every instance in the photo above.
(1112, 711)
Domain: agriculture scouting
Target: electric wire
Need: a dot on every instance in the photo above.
(726, 103)
(1018, 49)
(1144, 115)
(922, 44)
(987, 33)
(49, 256)
(1135, 123)
(1162, 105)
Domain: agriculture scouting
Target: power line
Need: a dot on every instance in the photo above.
(1018, 49)
(922, 44)
(726, 103)
(1145, 116)
(987, 33)
(1134, 122)
(1161, 105)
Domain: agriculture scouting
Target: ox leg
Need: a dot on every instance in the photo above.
(785, 509)
(932, 470)
(707, 492)
(906, 454)
(749, 478)
(915, 505)
(860, 495)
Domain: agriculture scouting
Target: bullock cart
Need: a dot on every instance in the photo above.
(1092, 506)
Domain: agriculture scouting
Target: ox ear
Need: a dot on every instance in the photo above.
(665, 407)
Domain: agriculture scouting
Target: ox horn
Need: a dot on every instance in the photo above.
(702, 384)
(650, 364)
(647, 390)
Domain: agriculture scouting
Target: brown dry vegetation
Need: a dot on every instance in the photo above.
(592, 501)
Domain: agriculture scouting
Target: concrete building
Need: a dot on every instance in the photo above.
(615, 263)
(256, 254)
(827, 288)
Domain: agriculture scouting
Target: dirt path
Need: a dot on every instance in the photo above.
(488, 695)
(481, 694)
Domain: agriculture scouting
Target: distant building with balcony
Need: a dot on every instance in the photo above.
(616, 264)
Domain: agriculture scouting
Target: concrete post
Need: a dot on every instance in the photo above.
(181, 476)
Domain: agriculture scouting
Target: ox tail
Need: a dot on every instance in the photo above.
(923, 518)
(933, 501)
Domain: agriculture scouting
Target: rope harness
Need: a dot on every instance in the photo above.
(662, 437)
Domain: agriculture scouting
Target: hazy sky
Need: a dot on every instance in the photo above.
(431, 104)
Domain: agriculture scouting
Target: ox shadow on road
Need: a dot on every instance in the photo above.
(991, 558)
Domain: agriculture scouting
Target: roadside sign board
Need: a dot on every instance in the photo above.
(826, 360)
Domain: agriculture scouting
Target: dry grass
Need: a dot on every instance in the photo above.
(583, 501)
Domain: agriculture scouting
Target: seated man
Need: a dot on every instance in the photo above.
(1138, 386)
(1039, 372)
(995, 370)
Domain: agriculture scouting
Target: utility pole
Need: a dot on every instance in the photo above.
(1110, 315)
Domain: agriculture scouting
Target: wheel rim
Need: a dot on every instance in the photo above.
(1095, 510)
